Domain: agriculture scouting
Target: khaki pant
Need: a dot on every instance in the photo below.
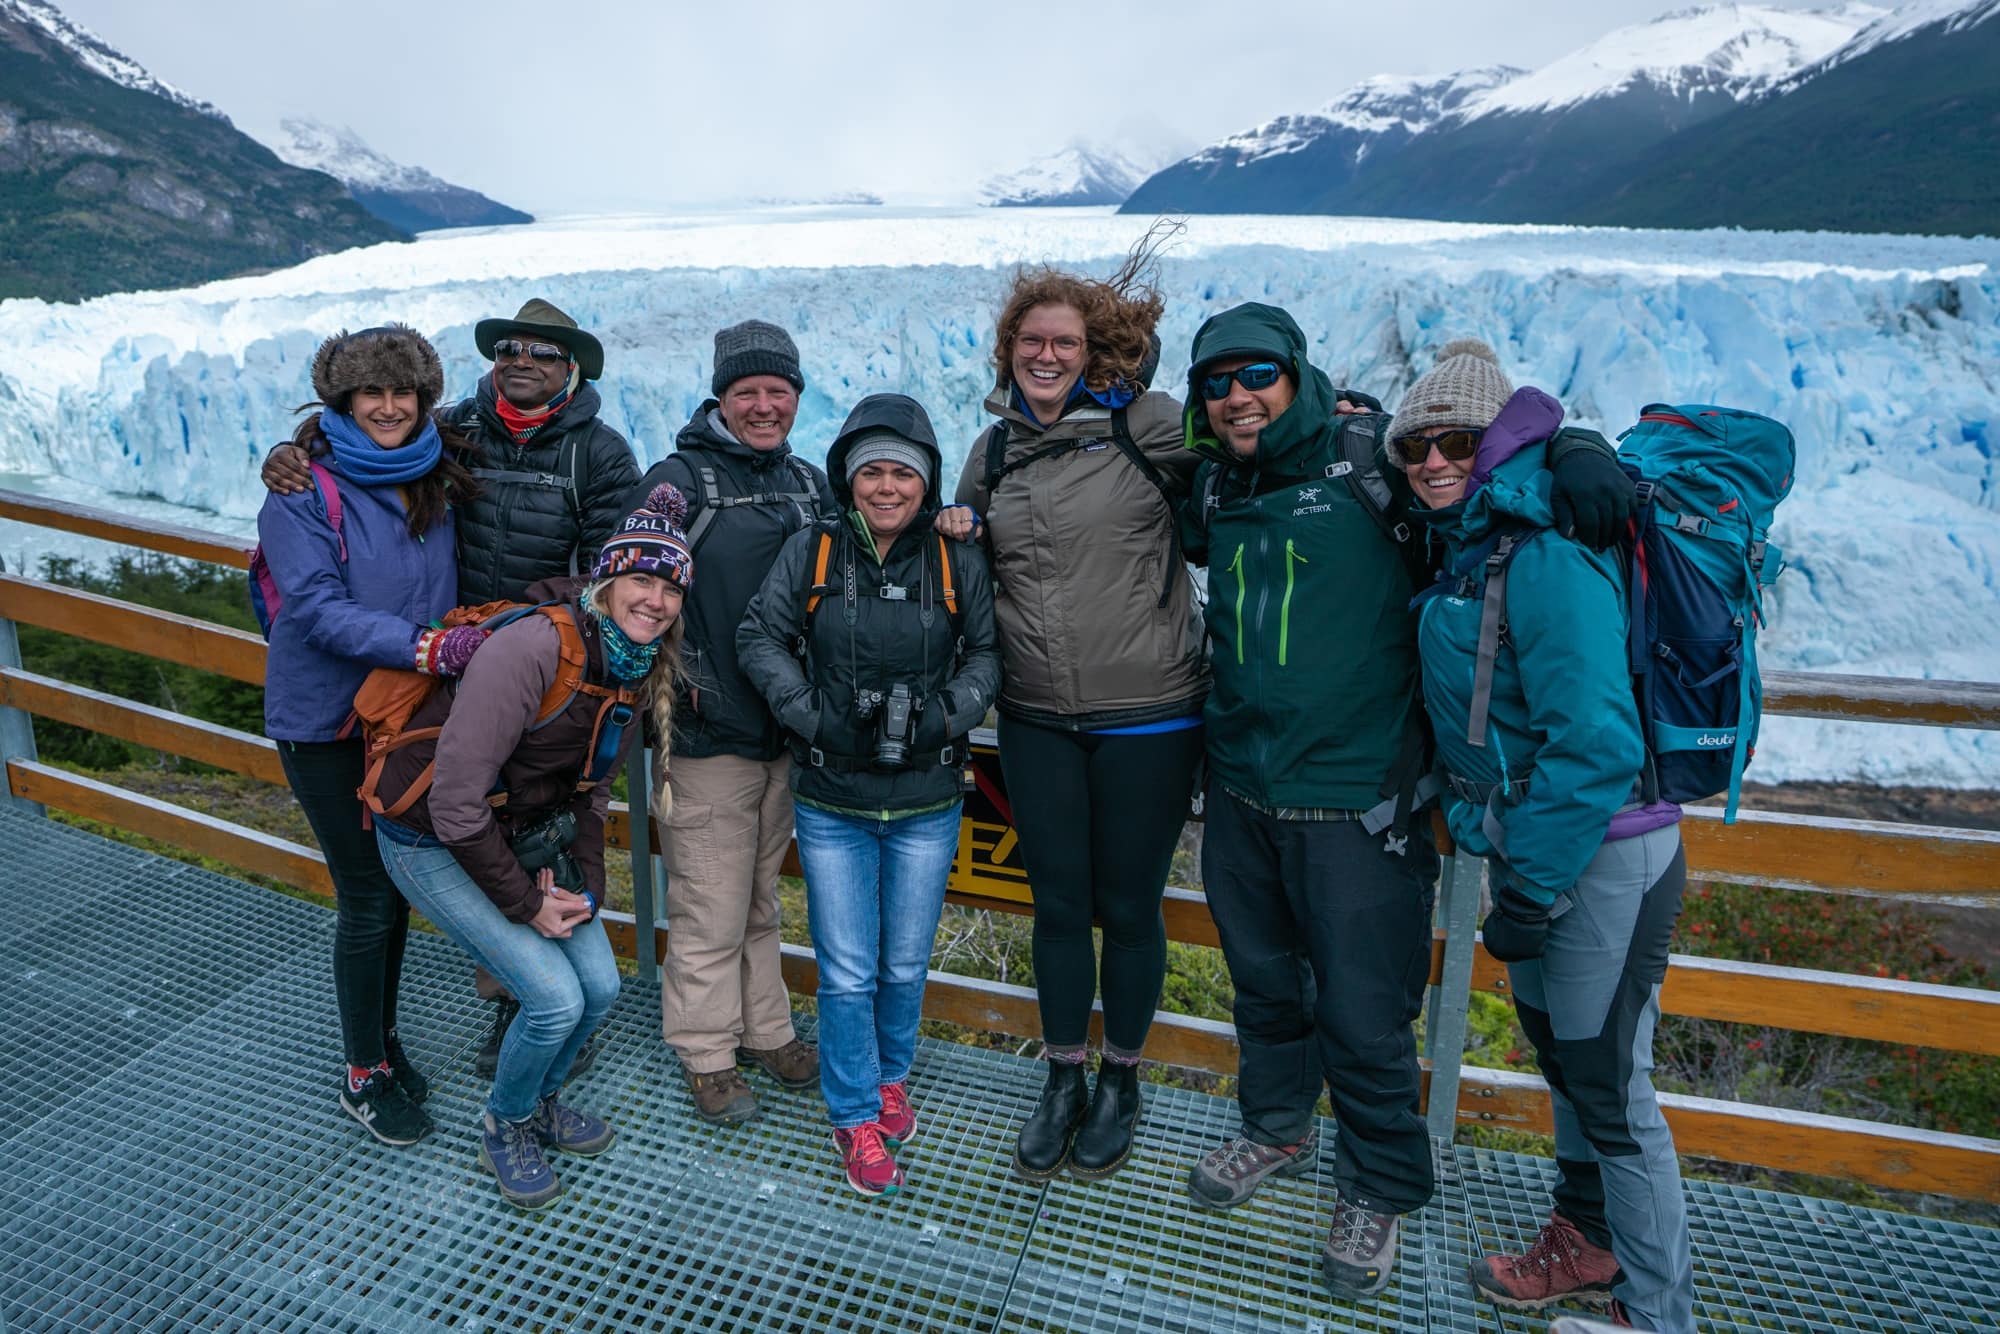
(723, 845)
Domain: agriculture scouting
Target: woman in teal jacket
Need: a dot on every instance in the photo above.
(1543, 750)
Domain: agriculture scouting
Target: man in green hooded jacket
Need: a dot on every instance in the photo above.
(1321, 889)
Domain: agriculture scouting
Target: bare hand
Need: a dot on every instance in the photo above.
(286, 470)
(1346, 407)
(561, 911)
(957, 522)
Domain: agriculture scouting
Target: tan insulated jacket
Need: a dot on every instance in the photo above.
(1093, 603)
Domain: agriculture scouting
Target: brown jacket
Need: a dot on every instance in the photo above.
(1080, 544)
(486, 742)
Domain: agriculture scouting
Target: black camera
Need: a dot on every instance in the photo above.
(895, 714)
(546, 843)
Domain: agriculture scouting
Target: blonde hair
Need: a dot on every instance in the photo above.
(657, 691)
(1119, 313)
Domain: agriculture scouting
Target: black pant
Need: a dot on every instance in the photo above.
(373, 921)
(1098, 817)
(1328, 940)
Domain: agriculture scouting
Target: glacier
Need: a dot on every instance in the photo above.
(1882, 353)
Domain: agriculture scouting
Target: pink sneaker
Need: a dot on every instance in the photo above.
(899, 1118)
(870, 1169)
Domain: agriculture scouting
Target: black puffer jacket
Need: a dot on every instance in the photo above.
(526, 525)
(719, 712)
(859, 638)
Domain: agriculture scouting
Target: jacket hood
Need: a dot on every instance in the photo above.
(704, 430)
(1257, 330)
(583, 405)
(900, 414)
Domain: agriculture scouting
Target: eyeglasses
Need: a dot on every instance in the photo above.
(513, 347)
(1031, 345)
(1257, 375)
(1456, 445)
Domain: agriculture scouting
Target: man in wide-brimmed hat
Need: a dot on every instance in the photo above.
(552, 477)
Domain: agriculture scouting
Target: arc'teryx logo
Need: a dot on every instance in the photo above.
(1309, 494)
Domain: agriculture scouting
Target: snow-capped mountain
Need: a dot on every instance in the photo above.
(1077, 174)
(96, 55)
(114, 180)
(1501, 145)
(404, 196)
(1909, 18)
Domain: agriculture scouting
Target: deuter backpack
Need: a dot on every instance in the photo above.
(265, 596)
(391, 697)
(1696, 564)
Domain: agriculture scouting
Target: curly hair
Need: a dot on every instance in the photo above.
(450, 483)
(1119, 312)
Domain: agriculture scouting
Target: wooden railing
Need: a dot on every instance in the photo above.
(1787, 851)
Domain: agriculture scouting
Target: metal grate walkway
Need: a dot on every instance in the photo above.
(173, 1159)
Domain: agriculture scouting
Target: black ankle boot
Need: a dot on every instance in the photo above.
(1043, 1145)
(1106, 1137)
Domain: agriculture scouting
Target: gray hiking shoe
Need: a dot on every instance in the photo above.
(1231, 1172)
(1360, 1251)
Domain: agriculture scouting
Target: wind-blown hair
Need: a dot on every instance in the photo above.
(1119, 312)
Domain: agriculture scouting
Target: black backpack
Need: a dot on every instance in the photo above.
(712, 499)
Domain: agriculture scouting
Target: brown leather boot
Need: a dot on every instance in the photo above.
(794, 1065)
(721, 1096)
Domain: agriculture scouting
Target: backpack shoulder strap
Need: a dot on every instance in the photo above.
(329, 492)
(711, 501)
(573, 661)
(1492, 633)
(819, 583)
(1121, 436)
(996, 452)
(950, 589)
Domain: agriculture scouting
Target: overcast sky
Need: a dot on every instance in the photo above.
(558, 106)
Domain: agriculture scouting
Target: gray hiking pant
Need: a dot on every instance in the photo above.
(1589, 1005)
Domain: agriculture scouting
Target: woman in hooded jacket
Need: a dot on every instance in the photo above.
(1545, 781)
(491, 819)
(1075, 491)
(351, 572)
(872, 639)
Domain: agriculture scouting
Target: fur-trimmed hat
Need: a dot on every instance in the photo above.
(388, 356)
(652, 539)
(1465, 388)
(755, 347)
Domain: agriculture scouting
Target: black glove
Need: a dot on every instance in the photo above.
(1517, 928)
(1591, 495)
(1358, 399)
(933, 730)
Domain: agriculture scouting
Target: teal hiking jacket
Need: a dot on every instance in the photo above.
(1563, 732)
(1312, 640)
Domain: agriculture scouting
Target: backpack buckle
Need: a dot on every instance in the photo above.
(1340, 469)
(1691, 523)
(816, 757)
(893, 593)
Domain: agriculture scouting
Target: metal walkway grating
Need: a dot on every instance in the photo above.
(175, 1161)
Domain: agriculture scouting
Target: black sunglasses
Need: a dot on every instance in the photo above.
(1257, 375)
(1457, 445)
(514, 347)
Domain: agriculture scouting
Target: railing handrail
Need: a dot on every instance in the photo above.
(1791, 850)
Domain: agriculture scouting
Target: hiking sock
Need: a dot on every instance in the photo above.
(357, 1075)
(1066, 1053)
(1118, 1057)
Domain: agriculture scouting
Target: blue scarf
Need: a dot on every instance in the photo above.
(361, 460)
(625, 660)
(1117, 396)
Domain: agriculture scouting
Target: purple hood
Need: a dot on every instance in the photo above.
(1530, 415)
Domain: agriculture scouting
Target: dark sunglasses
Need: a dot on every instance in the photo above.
(1257, 375)
(514, 347)
(1457, 446)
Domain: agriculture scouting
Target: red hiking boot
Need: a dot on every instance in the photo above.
(1562, 1266)
(870, 1169)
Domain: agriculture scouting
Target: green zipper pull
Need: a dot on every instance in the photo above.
(1236, 566)
(1285, 608)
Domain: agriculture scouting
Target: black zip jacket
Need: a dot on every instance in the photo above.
(719, 712)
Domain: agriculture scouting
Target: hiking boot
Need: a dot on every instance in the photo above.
(794, 1065)
(407, 1075)
(1563, 1265)
(721, 1097)
(1618, 1318)
(512, 1152)
(899, 1117)
(571, 1131)
(385, 1110)
(870, 1169)
(1042, 1148)
(1360, 1251)
(488, 1059)
(586, 1056)
(1231, 1173)
(1105, 1139)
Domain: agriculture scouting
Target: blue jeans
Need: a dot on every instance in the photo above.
(564, 986)
(874, 889)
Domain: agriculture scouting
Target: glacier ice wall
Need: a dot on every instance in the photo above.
(1882, 353)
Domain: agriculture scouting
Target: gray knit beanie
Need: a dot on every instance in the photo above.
(887, 446)
(754, 347)
(1465, 388)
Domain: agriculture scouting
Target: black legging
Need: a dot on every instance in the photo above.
(374, 919)
(1098, 818)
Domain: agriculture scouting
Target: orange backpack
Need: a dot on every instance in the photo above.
(391, 697)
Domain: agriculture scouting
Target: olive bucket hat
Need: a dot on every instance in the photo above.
(539, 318)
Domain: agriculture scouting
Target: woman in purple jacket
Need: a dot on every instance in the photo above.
(359, 564)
